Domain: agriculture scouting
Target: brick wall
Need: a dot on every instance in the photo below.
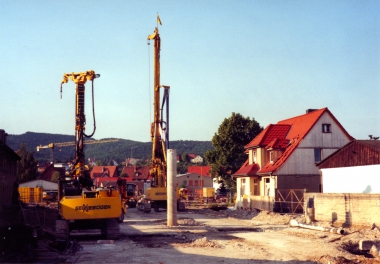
(345, 209)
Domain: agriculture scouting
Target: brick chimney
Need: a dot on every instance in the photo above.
(308, 111)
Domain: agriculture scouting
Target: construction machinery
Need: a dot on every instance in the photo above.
(184, 194)
(51, 146)
(128, 192)
(156, 195)
(81, 206)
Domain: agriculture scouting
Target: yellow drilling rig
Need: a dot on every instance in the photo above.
(156, 195)
(80, 205)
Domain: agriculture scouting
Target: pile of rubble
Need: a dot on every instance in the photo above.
(180, 222)
(264, 216)
(204, 242)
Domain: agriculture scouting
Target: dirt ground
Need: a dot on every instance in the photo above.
(211, 236)
(226, 236)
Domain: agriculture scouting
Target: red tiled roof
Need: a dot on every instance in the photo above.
(101, 171)
(270, 133)
(271, 167)
(247, 170)
(136, 173)
(204, 170)
(287, 134)
(278, 143)
(300, 127)
(191, 155)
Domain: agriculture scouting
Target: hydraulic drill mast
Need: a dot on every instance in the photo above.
(79, 79)
(156, 196)
(80, 205)
(158, 167)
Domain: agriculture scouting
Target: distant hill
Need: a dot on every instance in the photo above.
(118, 151)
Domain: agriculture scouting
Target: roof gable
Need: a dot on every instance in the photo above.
(300, 127)
(286, 135)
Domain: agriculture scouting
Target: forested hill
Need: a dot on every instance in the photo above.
(118, 151)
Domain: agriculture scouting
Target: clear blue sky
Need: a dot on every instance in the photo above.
(270, 60)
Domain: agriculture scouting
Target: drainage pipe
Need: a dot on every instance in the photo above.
(294, 223)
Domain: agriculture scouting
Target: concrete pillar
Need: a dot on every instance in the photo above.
(171, 188)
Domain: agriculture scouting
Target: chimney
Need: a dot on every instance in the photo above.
(3, 136)
(308, 111)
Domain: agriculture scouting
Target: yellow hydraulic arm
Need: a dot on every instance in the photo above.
(80, 78)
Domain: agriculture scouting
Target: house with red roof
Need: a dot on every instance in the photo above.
(104, 172)
(285, 156)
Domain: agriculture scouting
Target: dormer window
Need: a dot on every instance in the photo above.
(326, 128)
(254, 156)
(272, 156)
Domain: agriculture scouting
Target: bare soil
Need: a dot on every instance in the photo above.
(211, 236)
(226, 236)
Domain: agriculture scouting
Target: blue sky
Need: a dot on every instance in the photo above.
(270, 60)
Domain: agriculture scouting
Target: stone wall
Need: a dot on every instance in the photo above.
(345, 209)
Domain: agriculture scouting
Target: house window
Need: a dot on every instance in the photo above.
(254, 157)
(196, 183)
(184, 183)
(326, 128)
(190, 183)
(242, 188)
(317, 154)
(267, 186)
(256, 190)
(272, 156)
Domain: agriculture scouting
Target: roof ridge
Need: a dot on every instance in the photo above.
(296, 117)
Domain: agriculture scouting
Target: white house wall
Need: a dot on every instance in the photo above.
(301, 161)
(360, 179)
(316, 139)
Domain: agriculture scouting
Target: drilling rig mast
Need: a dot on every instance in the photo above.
(156, 196)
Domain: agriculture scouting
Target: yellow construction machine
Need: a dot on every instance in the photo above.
(156, 195)
(81, 206)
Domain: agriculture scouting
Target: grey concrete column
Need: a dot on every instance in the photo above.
(171, 188)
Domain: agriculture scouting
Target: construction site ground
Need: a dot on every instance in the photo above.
(224, 236)
(204, 235)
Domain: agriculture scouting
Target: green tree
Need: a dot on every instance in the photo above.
(184, 157)
(228, 155)
(99, 163)
(26, 166)
(182, 167)
(55, 176)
